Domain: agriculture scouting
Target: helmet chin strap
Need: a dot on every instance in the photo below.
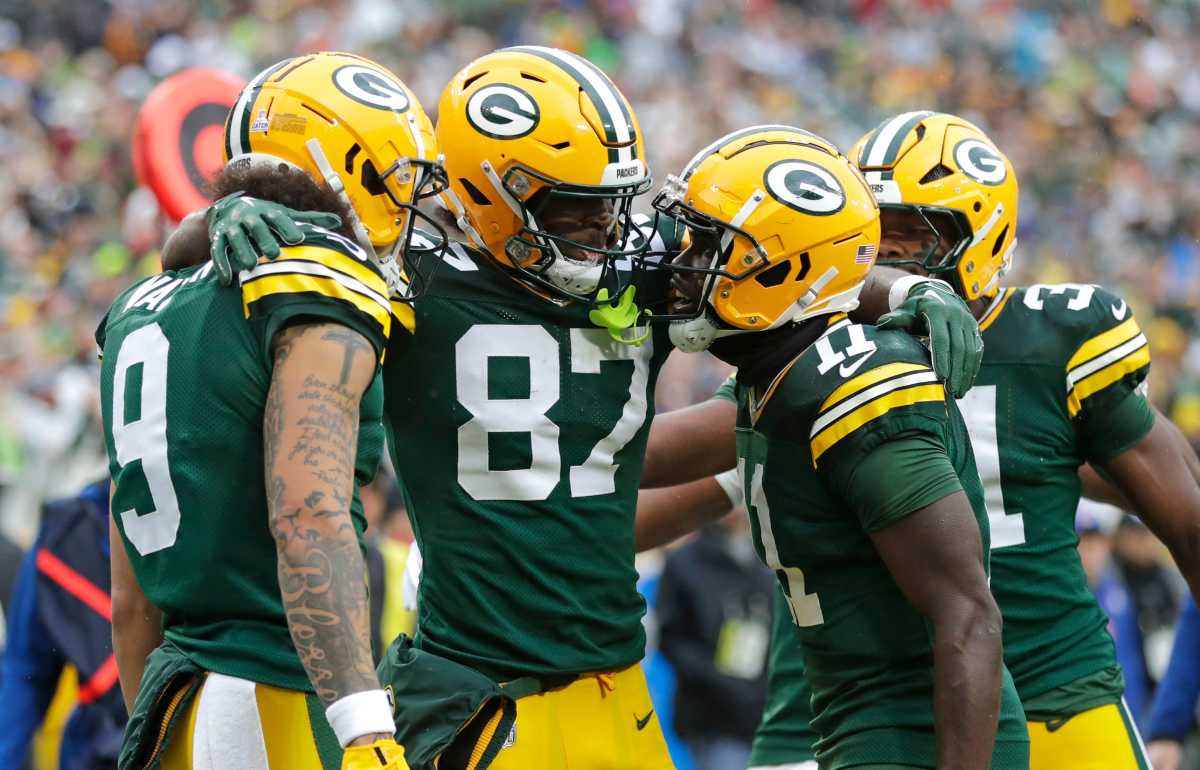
(387, 263)
(697, 334)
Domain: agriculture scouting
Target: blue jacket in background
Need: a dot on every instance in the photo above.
(61, 613)
(1174, 709)
(1116, 601)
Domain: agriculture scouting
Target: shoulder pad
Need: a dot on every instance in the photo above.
(860, 376)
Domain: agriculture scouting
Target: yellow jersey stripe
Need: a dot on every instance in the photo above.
(294, 283)
(287, 732)
(337, 260)
(840, 410)
(872, 410)
(867, 379)
(1099, 380)
(1104, 342)
(404, 313)
(993, 312)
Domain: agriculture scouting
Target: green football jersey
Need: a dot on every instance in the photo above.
(1059, 386)
(868, 653)
(785, 735)
(518, 428)
(183, 384)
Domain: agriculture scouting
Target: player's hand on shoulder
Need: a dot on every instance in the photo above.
(932, 309)
(382, 754)
(241, 229)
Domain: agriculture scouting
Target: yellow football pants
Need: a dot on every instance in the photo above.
(598, 722)
(1103, 738)
(236, 723)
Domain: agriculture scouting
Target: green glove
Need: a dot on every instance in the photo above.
(933, 310)
(241, 229)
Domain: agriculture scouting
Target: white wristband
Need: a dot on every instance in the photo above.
(731, 485)
(904, 286)
(359, 714)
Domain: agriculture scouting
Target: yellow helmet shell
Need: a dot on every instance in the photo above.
(811, 226)
(521, 119)
(344, 120)
(938, 160)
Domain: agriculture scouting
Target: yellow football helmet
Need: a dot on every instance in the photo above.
(525, 127)
(350, 123)
(944, 171)
(781, 227)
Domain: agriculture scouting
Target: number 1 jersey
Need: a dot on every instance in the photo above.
(1059, 386)
(519, 429)
(184, 380)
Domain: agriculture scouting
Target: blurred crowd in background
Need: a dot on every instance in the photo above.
(1097, 102)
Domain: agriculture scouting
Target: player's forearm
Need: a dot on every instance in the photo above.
(135, 635)
(188, 245)
(967, 669)
(310, 430)
(665, 515)
(873, 299)
(1157, 478)
(690, 443)
(136, 623)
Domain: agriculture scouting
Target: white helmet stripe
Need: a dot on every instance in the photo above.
(609, 98)
(883, 140)
(239, 112)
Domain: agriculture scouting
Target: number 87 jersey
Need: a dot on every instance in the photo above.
(518, 429)
(1060, 385)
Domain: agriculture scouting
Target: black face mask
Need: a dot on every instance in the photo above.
(759, 356)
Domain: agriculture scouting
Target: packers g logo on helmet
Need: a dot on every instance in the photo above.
(939, 176)
(503, 111)
(980, 161)
(805, 187)
(371, 87)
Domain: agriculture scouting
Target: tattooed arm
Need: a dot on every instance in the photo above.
(310, 437)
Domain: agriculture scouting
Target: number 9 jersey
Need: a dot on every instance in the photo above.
(184, 380)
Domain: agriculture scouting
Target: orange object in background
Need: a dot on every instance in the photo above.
(177, 141)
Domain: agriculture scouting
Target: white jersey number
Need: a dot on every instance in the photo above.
(589, 349)
(144, 439)
(805, 607)
(979, 411)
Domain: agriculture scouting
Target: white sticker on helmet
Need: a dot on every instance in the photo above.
(502, 111)
(620, 174)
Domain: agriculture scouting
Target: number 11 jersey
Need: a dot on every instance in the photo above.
(518, 429)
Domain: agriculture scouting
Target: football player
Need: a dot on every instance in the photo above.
(1061, 385)
(239, 601)
(851, 459)
(518, 418)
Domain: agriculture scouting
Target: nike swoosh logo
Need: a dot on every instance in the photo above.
(641, 723)
(1119, 310)
(848, 369)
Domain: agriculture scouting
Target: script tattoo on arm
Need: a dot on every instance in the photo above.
(310, 433)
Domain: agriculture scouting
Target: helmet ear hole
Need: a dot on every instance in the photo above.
(999, 241)
(370, 179)
(940, 171)
(774, 276)
(476, 194)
